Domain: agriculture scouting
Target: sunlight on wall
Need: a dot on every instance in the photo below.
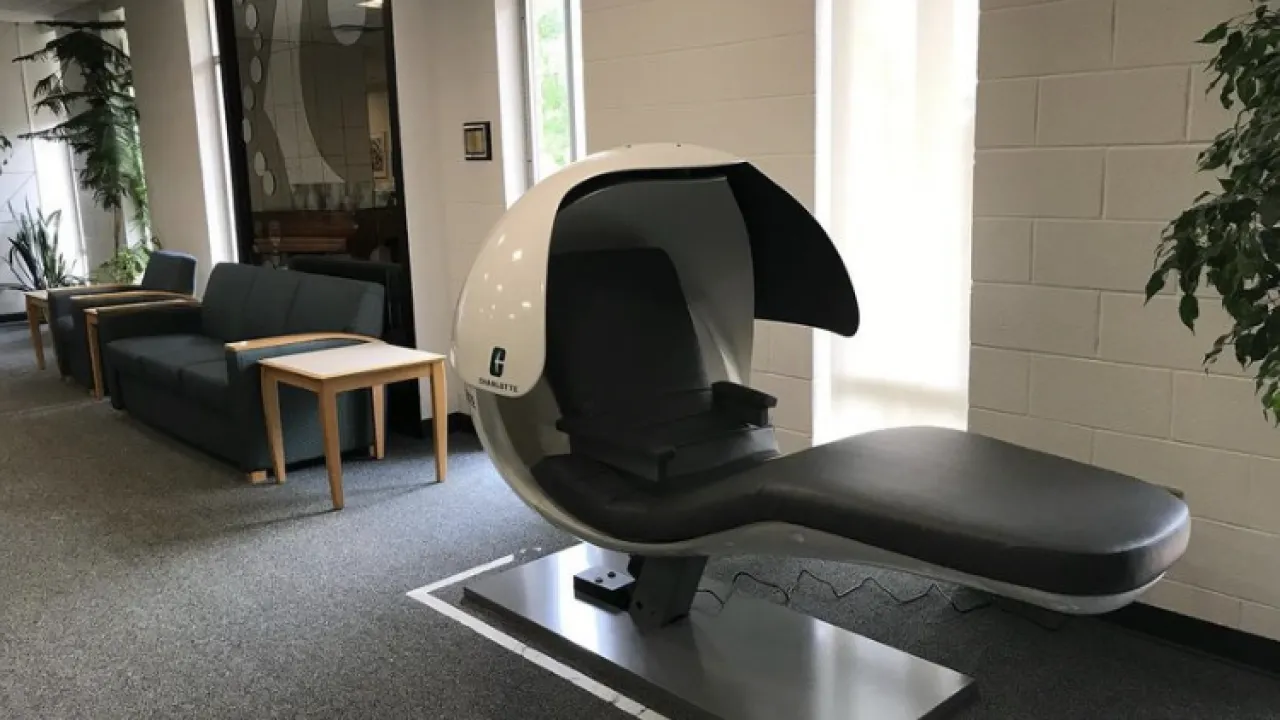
(896, 86)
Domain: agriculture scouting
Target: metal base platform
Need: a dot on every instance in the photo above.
(751, 660)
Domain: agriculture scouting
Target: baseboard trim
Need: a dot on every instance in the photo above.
(1222, 642)
(12, 317)
(456, 423)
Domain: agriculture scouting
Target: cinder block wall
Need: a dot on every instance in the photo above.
(1090, 116)
(737, 75)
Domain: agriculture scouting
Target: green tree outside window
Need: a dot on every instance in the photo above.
(551, 96)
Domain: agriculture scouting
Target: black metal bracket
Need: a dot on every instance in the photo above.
(656, 591)
(605, 586)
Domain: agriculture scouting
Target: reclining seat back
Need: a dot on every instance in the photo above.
(626, 368)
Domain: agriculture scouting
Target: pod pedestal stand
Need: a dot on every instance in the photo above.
(749, 660)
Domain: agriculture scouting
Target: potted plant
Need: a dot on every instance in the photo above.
(99, 120)
(34, 256)
(128, 263)
(1230, 239)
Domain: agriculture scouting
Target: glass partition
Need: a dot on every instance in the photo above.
(309, 92)
(315, 129)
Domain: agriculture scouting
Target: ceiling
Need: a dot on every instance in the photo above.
(29, 10)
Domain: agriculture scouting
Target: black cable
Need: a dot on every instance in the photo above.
(788, 592)
(713, 594)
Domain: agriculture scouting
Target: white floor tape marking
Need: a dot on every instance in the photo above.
(542, 660)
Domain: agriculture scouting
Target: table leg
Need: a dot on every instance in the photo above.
(379, 393)
(332, 444)
(440, 419)
(95, 355)
(271, 413)
(34, 313)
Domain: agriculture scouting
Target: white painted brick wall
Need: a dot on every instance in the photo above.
(737, 75)
(1002, 250)
(453, 203)
(1090, 116)
(1066, 253)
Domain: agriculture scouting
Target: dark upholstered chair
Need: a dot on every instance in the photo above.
(626, 368)
(168, 274)
(192, 370)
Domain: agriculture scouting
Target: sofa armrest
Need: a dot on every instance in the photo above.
(60, 299)
(243, 356)
(284, 341)
(245, 379)
(81, 304)
(743, 403)
(124, 296)
(165, 317)
(81, 289)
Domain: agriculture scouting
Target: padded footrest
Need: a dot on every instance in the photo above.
(953, 499)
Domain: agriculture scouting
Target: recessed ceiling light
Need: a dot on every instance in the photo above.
(372, 4)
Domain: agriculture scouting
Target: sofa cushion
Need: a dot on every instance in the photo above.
(244, 302)
(224, 305)
(332, 304)
(207, 383)
(162, 357)
(274, 292)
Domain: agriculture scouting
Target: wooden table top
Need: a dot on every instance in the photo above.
(38, 295)
(351, 360)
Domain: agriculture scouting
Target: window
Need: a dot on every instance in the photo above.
(896, 97)
(231, 251)
(553, 77)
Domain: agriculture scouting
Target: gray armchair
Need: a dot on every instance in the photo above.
(191, 370)
(169, 274)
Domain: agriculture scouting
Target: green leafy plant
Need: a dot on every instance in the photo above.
(1230, 239)
(34, 256)
(99, 117)
(127, 264)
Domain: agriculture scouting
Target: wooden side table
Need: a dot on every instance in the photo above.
(91, 316)
(370, 365)
(37, 302)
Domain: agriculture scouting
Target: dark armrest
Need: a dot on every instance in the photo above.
(745, 404)
(591, 431)
(619, 449)
(138, 319)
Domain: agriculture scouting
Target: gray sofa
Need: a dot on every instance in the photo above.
(191, 371)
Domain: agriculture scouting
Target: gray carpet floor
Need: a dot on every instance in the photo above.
(139, 578)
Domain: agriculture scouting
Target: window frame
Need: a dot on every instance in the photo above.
(532, 110)
(224, 139)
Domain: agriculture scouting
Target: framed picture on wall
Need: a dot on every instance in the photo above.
(476, 142)
(380, 155)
